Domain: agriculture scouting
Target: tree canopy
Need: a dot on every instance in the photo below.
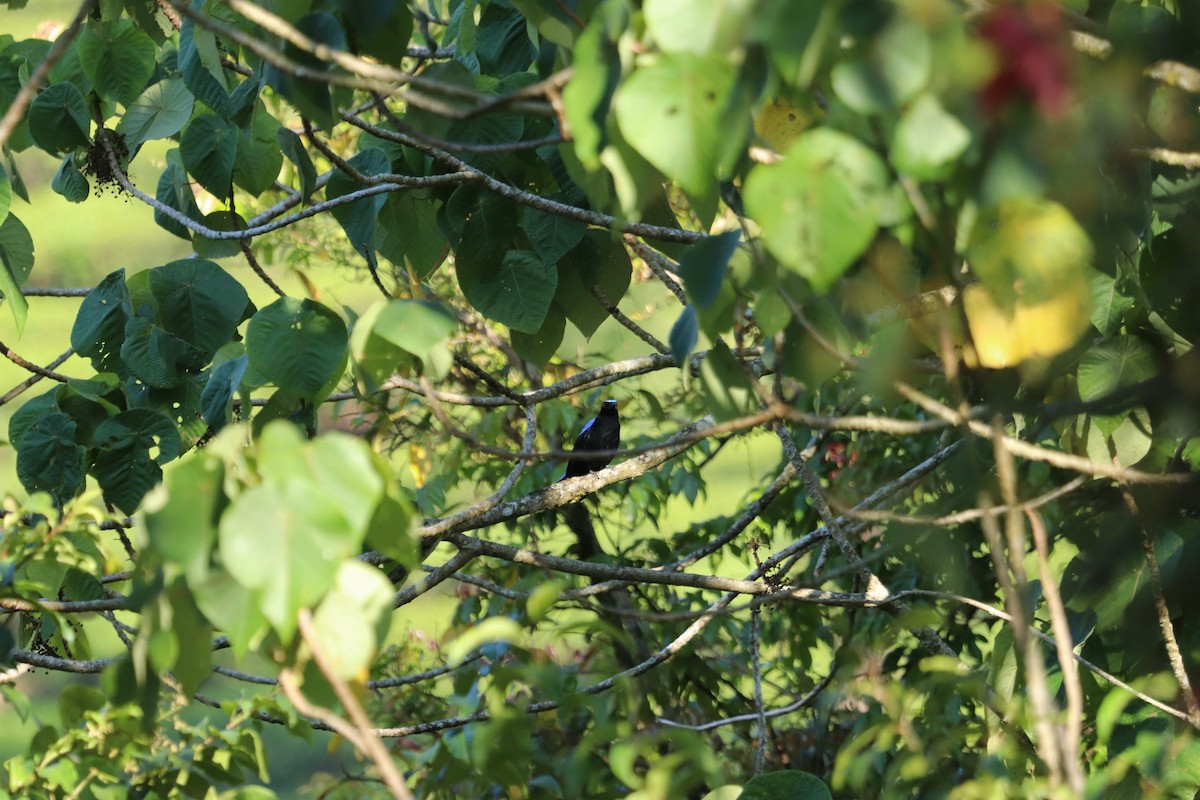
(895, 297)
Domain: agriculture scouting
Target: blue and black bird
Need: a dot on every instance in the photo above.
(601, 433)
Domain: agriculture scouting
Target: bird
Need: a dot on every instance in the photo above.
(601, 433)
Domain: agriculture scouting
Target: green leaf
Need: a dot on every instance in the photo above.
(312, 98)
(375, 359)
(503, 46)
(140, 429)
(161, 111)
(1109, 305)
(30, 412)
(596, 261)
(292, 148)
(489, 129)
(58, 119)
(200, 65)
(50, 460)
(199, 303)
(131, 447)
(889, 69)
(69, 181)
(408, 233)
(551, 20)
(180, 402)
(353, 619)
(117, 58)
(298, 345)
(14, 177)
(346, 469)
(597, 72)
(193, 664)
(258, 160)
(175, 191)
(792, 784)
(153, 355)
(380, 28)
(358, 218)
(684, 335)
(703, 266)
(208, 247)
(450, 73)
(552, 235)
(1130, 436)
(232, 608)
(208, 148)
(538, 348)
(1114, 364)
(79, 585)
(517, 294)
(699, 26)
(928, 140)
(1105, 368)
(16, 261)
(727, 390)
(219, 390)
(99, 329)
(6, 193)
(415, 326)
(817, 206)
(671, 113)
(390, 531)
(285, 542)
(76, 700)
(181, 522)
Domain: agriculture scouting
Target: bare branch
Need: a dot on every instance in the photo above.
(15, 358)
(365, 739)
(21, 388)
(1034, 453)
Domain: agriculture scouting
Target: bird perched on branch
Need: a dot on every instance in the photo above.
(601, 433)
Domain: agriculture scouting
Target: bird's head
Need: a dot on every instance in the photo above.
(609, 408)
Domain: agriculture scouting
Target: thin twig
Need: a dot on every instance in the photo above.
(24, 385)
(49, 291)
(1162, 610)
(630, 325)
(790, 708)
(659, 265)
(15, 358)
(1035, 453)
(368, 743)
(469, 174)
(970, 515)
(1009, 565)
(1164, 155)
(1072, 729)
(257, 267)
(490, 502)
(1094, 668)
(760, 747)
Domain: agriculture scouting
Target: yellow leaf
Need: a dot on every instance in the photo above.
(1033, 298)
(1005, 337)
(779, 123)
(1028, 248)
(419, 463)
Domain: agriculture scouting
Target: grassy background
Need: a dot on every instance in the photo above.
(77, 245)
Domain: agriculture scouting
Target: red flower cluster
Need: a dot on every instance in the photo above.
(1034, 60)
